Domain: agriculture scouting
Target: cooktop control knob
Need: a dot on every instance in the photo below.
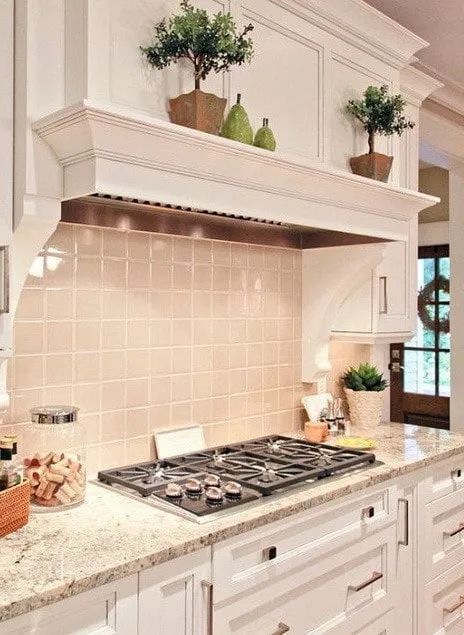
(174, 490)
(214, 495)
(233, 489)
(212, 480)
(193, 486)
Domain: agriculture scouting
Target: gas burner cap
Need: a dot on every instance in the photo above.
(152, 474)
(212, 480)
(174, 490)
(218, 458)
(214, 495)
(233, 489)
(268, 475)
(193, 486)
(274, 446)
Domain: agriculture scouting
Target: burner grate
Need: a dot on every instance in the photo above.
(145, 477)
(260, 466)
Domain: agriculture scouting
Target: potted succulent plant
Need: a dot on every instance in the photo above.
(364, 389)
(380, 114)
(209, 43)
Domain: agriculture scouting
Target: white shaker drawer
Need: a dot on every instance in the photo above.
(443, 534)
(263, 555)
(445, 478)
(339, 595)
(443, 610)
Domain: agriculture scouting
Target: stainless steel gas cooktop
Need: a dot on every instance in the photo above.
(202, 484)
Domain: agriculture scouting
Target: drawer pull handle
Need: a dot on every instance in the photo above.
(208, 588)
(359, 587)
(455, 606)
(281, 629)
(405, 540)
(456, 473)
(270, 553)
(368, 512)
(455, 532)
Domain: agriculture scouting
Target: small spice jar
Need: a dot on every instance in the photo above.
(54, 458)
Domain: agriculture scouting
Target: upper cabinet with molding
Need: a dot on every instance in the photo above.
(384, 306)
(327, 53)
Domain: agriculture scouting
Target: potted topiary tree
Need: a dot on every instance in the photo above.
(379, 113)
(209, 43)
(364, 389)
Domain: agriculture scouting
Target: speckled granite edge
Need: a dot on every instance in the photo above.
(179, 536)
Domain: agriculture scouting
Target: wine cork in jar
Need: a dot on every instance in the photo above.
(316, 431)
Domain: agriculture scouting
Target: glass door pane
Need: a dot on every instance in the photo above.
(419, 372)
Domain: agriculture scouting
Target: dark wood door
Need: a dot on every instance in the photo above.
(420, 368)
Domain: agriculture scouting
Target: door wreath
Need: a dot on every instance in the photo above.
(426, 297)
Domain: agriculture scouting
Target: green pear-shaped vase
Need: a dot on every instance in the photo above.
(264, 137)
(237, 125)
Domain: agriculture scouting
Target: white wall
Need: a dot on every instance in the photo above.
(434, 233)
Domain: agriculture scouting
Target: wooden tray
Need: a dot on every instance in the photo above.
(14, 508)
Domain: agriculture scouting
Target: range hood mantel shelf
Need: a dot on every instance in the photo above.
(122, 152)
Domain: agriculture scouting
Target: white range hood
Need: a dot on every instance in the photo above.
(120, 152)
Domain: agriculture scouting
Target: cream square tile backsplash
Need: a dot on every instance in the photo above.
(144, 331)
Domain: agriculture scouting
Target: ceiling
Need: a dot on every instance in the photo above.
(440, 22)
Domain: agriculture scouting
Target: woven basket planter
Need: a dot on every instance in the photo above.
(365, 407)
(14, 508)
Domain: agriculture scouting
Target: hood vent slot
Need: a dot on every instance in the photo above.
(181, 208)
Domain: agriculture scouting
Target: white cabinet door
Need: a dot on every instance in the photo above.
(392, 279)
(173, 596)
(107, 610)
(382, 304)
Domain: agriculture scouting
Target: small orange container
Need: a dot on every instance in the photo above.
(316, 431)
(15, 503)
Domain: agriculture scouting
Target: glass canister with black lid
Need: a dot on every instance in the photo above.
(54, 458)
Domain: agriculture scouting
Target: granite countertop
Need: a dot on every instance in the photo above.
(111, 536)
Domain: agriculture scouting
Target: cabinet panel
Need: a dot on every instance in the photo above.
(444, 528)
(445, 478)
(350, 80)
(172, 595)
(116, 58)
(355, 314)
(337, 595)
(245, 562)
(443, 610)
(274, 85)
(107, 610)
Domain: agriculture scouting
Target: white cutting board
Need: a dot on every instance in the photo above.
(174, 441)
(314, 404)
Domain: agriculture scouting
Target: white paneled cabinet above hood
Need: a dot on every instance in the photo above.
(90, 118)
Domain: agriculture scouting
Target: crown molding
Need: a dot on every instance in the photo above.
(417, 85)
(450, 94)
(363, 26)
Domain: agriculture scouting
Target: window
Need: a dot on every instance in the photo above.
(427, 355)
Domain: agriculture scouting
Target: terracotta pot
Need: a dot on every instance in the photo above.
(374, 166)
(365, 407)
(199, 110)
